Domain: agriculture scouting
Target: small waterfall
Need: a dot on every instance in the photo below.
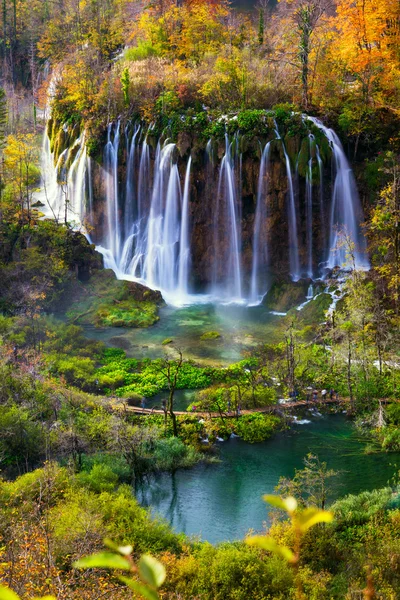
(113, 238)
(227, 278)
(294, 260)
(321, 198)
(310, 292)
(163, 232)
(184, 245)
(346, 212)
(309, 210)
(258, 282)
(130, 213)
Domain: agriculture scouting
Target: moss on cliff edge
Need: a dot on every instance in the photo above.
(284, 295)
(105, 301)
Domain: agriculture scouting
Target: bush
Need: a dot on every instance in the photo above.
(257, 427)
(171, 454)
(101, 478)
(356, 510)
(142, 51)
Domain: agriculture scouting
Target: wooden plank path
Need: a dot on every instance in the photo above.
(138, 410)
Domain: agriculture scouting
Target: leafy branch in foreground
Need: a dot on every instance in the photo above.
(149, 570)
(302, 521)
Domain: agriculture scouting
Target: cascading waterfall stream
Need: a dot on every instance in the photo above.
(227, 279)
(258, 283)
(346, 212)
(130, 213)
(294, 258)
(309, 210)
(184, 245)
(113, 241)
(148, 226)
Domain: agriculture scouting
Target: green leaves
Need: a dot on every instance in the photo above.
(311, 516)
(143, 590)
(301, 522)
(7, 594)
(103, 560)
(151, 571)
(268, 543)
(288, 504)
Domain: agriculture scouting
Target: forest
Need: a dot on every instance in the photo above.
(200, 299)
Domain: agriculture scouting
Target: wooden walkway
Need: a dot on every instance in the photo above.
(138, 410)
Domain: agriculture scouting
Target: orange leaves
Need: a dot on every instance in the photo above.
(368, 36)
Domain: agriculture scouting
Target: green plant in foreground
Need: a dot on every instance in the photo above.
(7, 594)
(149, 570)
(301, 521)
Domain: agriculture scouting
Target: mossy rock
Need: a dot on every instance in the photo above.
(105, 301)
(167, 341)
(284, 295)
(314, 312)
(210, 335)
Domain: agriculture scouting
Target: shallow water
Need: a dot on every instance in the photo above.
(241, 328)
(223, 501)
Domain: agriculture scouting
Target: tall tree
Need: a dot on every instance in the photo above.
(306, 15)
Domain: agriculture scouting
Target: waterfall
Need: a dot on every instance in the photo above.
(309, 210)
(294, 260)
(227, 279)
(150, 222)
(184, 245)
(130, 213)
(163, 230)
(321, 198)
(346, 212)
(258, 282)
(134, 252)
(113, 238)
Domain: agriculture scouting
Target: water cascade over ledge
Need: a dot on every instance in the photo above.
(214, 226)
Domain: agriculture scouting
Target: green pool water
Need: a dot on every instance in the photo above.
(223, 501)
(241, 329)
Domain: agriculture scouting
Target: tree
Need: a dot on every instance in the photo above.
(306, 15)
(170, 369)
(20, 157)
(310, 484)
(3, 115)
(384, 229)
(125, 81)
(261, 27)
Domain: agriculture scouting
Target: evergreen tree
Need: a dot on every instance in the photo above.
(261, 27)
(3, 115)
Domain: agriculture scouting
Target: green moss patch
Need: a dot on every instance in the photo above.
(210, 335)
(284, 295)
(314, 311)
(105, 301)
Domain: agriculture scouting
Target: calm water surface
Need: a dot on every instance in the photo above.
(223, 501)
(241, 329)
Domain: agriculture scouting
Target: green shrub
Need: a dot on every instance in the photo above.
(356, 510)
(101, 478)
(142, 51)
(256, 427)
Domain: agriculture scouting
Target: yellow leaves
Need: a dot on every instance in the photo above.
(268, 543)
(365, 39)
(301, 522)
(287, 504)
(310, 517)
